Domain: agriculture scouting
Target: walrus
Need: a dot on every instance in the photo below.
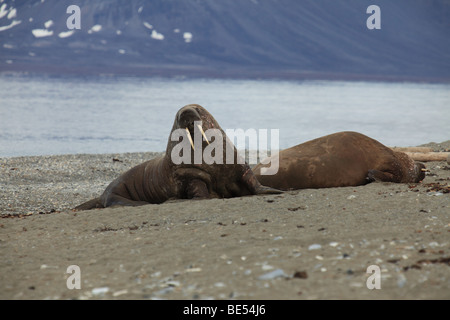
(339, 160)
(161, 179)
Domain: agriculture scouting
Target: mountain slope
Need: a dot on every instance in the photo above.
(238, 38)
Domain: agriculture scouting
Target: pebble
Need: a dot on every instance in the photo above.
(120, 292)
(273, 274)
(99, 291)
(334, 244)
(173, 283)
(314, 246)
(219, 284)
(266, 267)
(433, 244)
(44, 266)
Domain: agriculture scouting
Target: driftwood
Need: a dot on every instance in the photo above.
(412, 149)
(429, 156)
(424, 154)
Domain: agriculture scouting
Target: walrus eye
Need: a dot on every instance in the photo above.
(203, 132)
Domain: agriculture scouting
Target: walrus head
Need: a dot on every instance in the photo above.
(413, 171)
(189, 120)
(204, 155)
(418, 173)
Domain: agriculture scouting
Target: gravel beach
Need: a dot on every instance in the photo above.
(305, 244)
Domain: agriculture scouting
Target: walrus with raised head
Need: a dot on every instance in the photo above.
(165, 177)
(338, 160)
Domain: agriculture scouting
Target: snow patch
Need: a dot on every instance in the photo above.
(40, 33)
(3, 11)
(187, 37)
(12, 13)
(157, 36)
(12, 24)
(48, 24)
(66, 34)
(95, 28)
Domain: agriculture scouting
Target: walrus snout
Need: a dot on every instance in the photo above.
(187, 116)
(420, 170)
(190, 119)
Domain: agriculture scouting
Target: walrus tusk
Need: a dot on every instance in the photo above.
(190, 138)
(203, 133)
(425, 170)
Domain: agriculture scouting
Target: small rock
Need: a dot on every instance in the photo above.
(314, 246)
(173, 283)
(120, 292)
(300, 275)
(99, 291)
(266, 267)
(273, 274)
(334, 244)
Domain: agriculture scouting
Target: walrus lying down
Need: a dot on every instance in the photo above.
(338, 160)
(167, 177)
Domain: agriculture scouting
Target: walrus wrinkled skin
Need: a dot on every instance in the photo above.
(160, 179)
(338, 160)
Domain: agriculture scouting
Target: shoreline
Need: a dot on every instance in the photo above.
(55, 183)
(200, 73)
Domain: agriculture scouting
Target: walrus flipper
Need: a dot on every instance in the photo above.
(267, 190)
(91, 204)
(117, 200)
(377, 175)
(255, 186)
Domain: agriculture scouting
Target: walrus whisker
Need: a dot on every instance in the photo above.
(203, 133)
(190, 138)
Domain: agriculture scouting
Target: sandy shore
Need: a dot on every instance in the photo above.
(306, 244)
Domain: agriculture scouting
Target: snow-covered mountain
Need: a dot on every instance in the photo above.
(235, 38)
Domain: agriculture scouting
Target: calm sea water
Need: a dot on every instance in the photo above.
(68, 115)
